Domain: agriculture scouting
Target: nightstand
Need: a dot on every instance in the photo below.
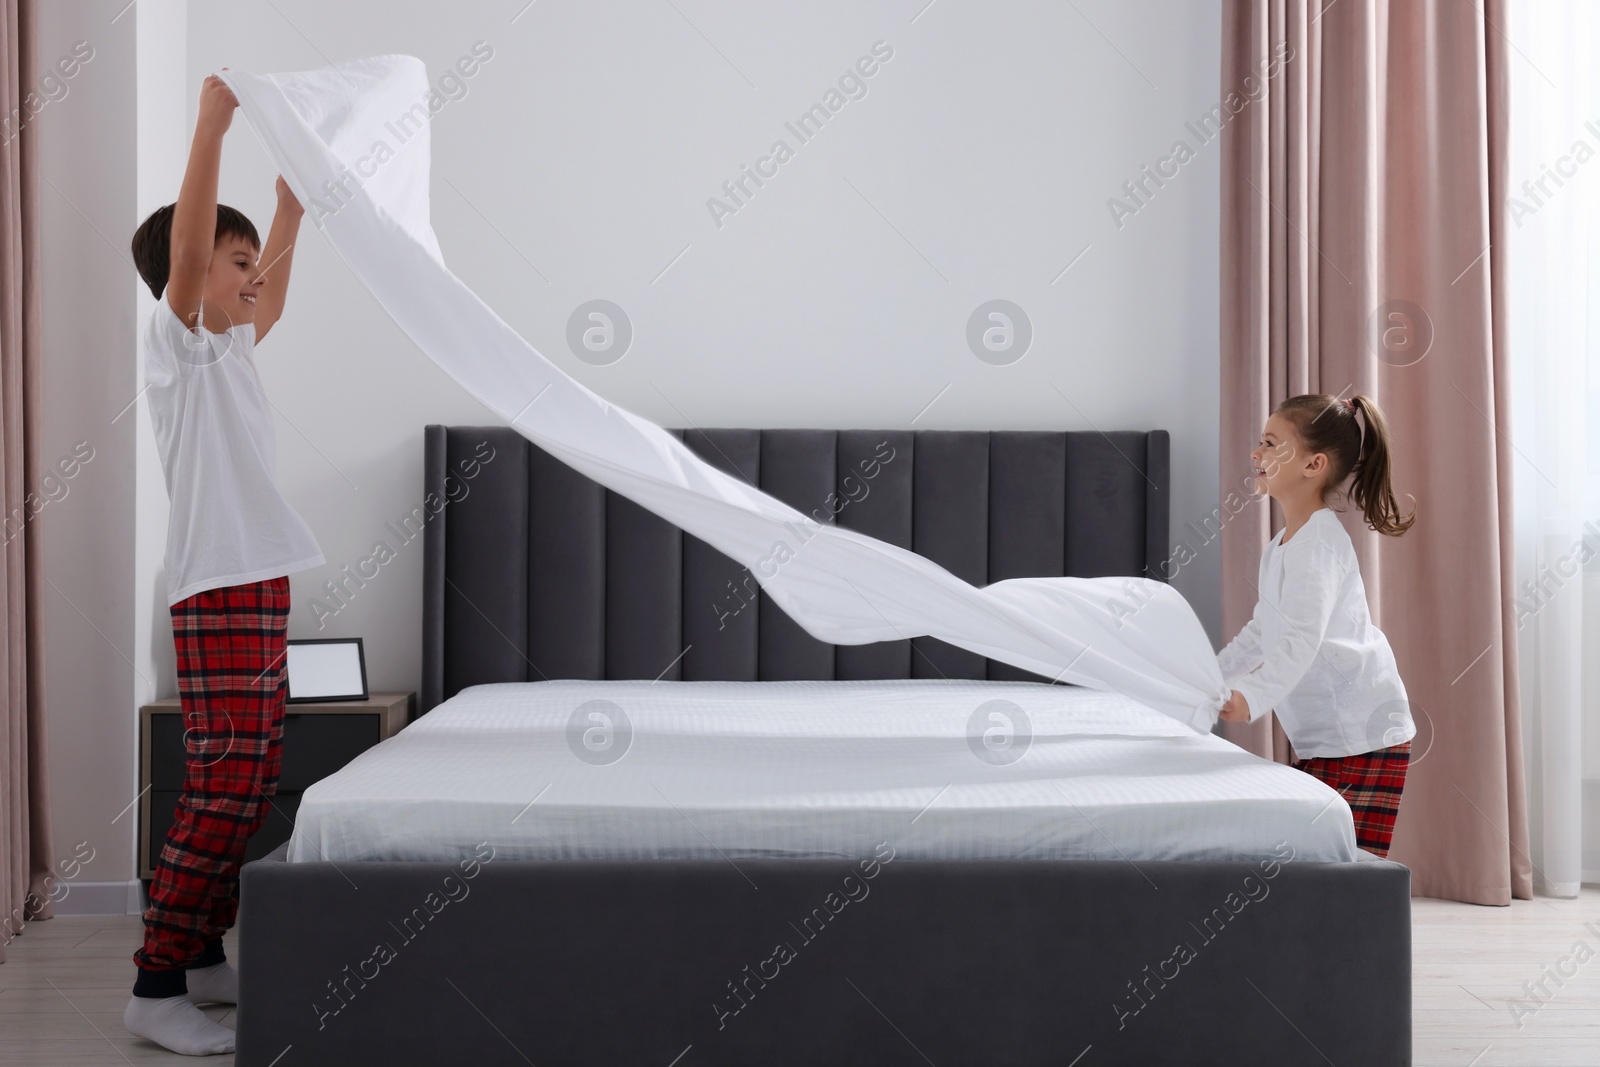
(318, 739)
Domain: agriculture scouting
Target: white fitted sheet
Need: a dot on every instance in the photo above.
(812, 769)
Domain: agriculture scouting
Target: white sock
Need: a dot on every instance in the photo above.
(176, 1024)
(218, 983)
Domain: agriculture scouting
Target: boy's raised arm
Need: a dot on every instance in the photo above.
(194, 218)
(276, 259)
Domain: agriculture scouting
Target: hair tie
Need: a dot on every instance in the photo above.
(1361, 432)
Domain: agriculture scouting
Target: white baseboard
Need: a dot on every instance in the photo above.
(101, 898)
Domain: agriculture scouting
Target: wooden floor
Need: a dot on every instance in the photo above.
(62, 990)
(66, 981)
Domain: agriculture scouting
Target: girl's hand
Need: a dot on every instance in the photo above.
(217, 103)
(1237, 709)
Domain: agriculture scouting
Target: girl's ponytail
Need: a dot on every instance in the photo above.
(1370, 486)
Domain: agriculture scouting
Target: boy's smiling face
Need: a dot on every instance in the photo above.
(232, 284)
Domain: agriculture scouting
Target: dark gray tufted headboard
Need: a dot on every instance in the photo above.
(533, 571)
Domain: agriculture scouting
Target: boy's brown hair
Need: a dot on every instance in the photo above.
(152, 241)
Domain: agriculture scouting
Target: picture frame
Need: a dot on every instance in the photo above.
(324, 669)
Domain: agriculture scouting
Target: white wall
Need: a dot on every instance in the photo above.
(94, 669)
(162, 90)
(578, 164)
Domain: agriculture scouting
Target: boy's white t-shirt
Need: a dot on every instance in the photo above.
(229, 525)
(1311, 653)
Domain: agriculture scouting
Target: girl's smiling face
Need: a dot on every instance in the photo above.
(1276, 462)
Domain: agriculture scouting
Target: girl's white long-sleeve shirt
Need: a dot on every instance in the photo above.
(1311, 653)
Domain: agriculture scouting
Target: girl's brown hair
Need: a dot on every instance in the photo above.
(1331, 426)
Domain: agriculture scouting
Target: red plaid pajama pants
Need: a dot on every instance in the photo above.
(232, 685)
(1371, 784)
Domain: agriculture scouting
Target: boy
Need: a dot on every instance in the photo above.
(231, 544)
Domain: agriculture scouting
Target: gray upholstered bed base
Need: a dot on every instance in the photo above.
(980, 963)
(532, 571)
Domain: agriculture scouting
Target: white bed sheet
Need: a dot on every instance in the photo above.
(322, 128)
(812, 769)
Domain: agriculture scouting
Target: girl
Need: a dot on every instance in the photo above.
(1310, 651)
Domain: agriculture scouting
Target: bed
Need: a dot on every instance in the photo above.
(644, 817)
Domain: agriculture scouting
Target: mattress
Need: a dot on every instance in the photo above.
(718, 770)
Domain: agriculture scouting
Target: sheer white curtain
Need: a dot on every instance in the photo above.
(1554, 324)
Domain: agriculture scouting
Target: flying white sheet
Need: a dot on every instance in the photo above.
(351, 141)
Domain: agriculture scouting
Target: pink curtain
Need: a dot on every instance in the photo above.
(25, 851)
(1363, 193)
